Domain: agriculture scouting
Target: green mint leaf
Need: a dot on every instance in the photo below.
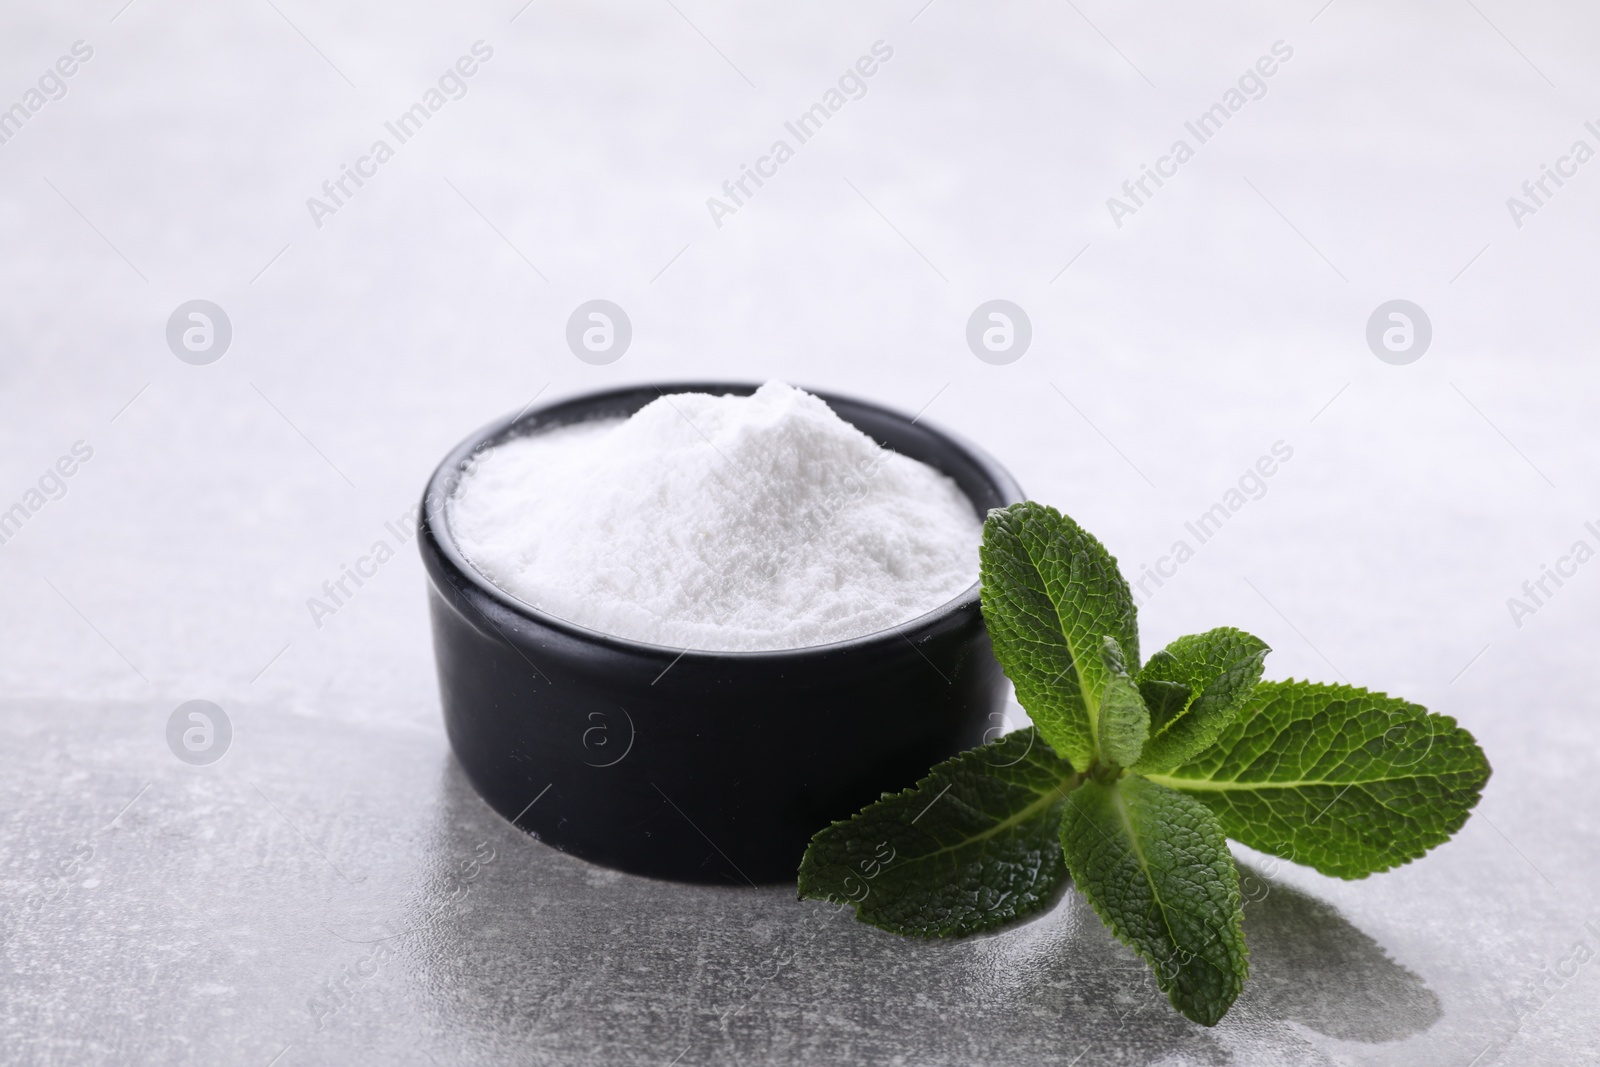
(1217, 670)
(1051, 592)
(972, 846)
(1124, 722)
(1155, 865)
(1341, 779)
(1165, 700)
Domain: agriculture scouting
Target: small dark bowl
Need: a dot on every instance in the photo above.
(699, 766)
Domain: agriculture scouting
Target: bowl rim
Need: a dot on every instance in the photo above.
(434, 524)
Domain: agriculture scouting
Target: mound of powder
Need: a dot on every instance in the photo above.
(719, 523)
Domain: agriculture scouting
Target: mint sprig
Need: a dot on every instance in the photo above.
(1134, 777)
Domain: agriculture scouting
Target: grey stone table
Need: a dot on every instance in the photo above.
(331, 891)
(333, 894)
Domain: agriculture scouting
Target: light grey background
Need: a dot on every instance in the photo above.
(1227, 314)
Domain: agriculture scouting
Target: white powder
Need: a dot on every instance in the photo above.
(718, 523)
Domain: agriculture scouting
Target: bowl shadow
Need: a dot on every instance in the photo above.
(535, 956)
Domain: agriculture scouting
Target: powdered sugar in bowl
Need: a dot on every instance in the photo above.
(681, 644)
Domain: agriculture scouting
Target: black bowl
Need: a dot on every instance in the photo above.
(699, 766)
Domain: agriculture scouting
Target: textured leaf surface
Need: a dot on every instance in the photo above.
(1341, 779)
(972, 846)
(1165, 700)
(1218, 669)
(1155, 865)
(1123, 722)
(1051, 592)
